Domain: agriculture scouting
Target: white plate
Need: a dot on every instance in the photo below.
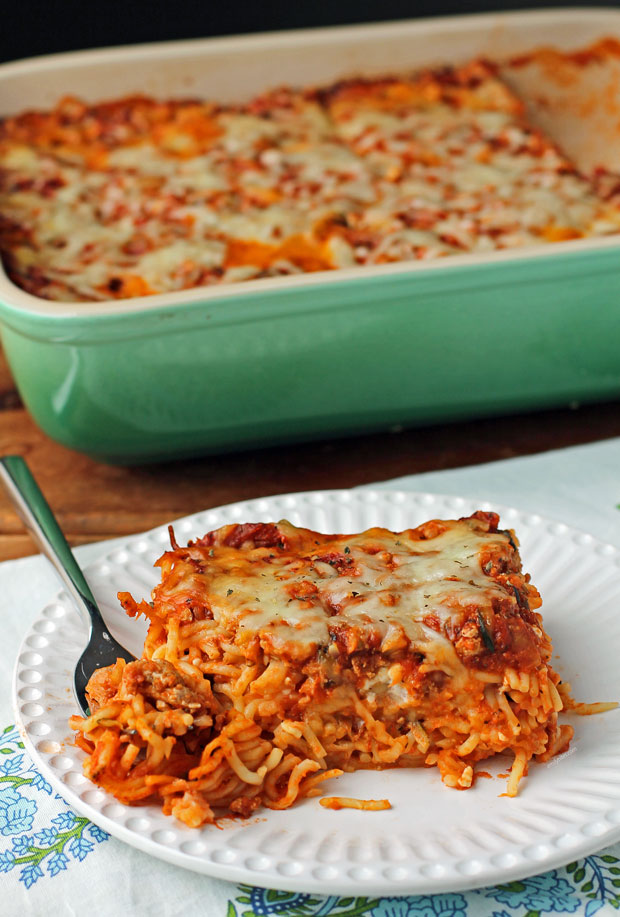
(434, 838)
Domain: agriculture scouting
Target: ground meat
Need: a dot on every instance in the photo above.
(103, 685)
(162, 683)
(244, 805)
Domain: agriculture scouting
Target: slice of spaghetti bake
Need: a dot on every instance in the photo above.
(277, 656)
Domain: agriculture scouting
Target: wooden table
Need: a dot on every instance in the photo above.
(95, 501)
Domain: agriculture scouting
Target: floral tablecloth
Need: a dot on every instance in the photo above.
(55, 862)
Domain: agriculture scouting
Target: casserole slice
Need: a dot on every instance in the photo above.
(278, 657)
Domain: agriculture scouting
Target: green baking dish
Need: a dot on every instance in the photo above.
(370, 348)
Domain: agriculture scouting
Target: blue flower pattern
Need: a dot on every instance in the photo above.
(587, 887)
(32, 851)
(541, 894)
(421, 906)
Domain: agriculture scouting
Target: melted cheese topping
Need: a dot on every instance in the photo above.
(378, 590)
(137, 196)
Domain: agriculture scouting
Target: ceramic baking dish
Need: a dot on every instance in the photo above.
(332, 353)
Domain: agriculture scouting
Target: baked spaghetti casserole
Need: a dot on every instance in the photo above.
(137, 196)
(278, 657)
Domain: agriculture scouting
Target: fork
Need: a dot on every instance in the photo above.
(34, 511)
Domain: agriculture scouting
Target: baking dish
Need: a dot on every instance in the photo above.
(371, 348)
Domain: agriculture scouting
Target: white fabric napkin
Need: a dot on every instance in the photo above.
(63, 865)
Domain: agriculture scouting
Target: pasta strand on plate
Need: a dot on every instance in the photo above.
(278, 657)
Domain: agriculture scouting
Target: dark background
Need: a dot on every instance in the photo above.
(28, 27)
